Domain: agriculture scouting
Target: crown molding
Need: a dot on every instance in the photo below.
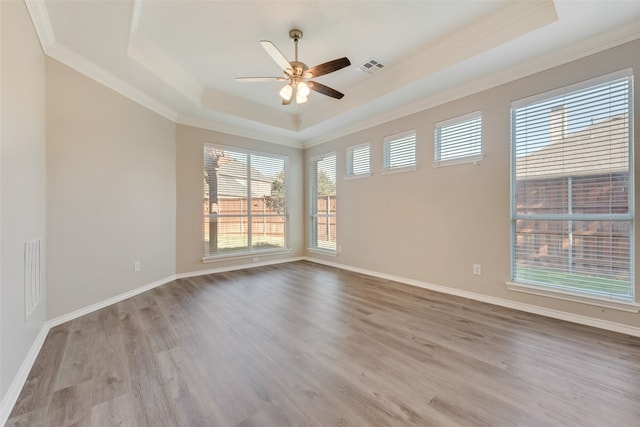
(40, 18)
(239, 130)
(295, 131)
(508, 23)
(616, 37)
(90, 69)
(151, 57)
(42, 23)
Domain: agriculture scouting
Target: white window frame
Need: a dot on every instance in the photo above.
(386, 152)
(631, 305)
(439, 127)
(313, 214)
(250, 250)
(350, 174)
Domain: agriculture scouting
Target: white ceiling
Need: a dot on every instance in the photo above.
(180, 57)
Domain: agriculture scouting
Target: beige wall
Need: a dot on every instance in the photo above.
(433, 224)
(189, 221)
(122, 184)
(22, 181)
(110, 192)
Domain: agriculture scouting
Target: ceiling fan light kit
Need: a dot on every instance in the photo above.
(286, 92)
(303, 89)
(298, 74)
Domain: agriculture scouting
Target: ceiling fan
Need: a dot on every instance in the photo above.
(298, 74)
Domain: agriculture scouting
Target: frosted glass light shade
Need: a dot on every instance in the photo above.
(286, 92)
(303, 89)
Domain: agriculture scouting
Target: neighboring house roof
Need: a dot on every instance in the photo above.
(237, 169)
(600, 148)
(232, 180)
(230, 186)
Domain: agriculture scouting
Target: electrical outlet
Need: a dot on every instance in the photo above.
(136, 266)
(477, 269)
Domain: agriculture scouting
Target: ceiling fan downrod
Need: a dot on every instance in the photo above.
(296, 35)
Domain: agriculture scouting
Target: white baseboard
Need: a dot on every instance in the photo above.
(236, 267)
(10, 398)
(528, 308)
(121, 297)
(107, 302)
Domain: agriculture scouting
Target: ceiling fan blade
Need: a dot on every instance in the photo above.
(260, 79)
(277, 56)
(327, 67)
(325, 90)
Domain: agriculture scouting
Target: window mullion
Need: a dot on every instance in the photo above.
(571, 204)
(323, 192)
(576, 217)
(240, 177)
(249, 205)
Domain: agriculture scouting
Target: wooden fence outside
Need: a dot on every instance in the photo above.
(593, 247)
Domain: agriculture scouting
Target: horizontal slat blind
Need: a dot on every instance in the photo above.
(400, 150)
(325, 175)
(572, 195)
(244, 201)
(359, 160)
(458, 138)
(323, 203)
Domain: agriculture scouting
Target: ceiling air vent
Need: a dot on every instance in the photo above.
(371, 66)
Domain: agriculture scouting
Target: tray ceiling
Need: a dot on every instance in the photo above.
(180, 58)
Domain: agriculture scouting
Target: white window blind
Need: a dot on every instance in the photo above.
(244, 201)
(572, 189)
(399, 151)
(323, 203)
(359, 160)
(458, 140)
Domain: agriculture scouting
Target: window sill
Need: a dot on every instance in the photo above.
(326, 252)
(357, 176)
(475, 160)
(390, 171)
(630, 307)
(244, 255)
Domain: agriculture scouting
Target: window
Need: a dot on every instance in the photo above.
(323, 203)
(400, 152)
(572, 189)
(359, 160)
(245, 201)
(458, 140)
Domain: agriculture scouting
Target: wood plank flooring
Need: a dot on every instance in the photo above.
(301, 344)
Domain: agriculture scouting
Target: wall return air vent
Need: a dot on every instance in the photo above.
(32, 276)
(371, 66)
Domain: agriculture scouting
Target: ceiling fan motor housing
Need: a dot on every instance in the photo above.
(298, 68)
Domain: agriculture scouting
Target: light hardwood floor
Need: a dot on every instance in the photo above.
(301, 344)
